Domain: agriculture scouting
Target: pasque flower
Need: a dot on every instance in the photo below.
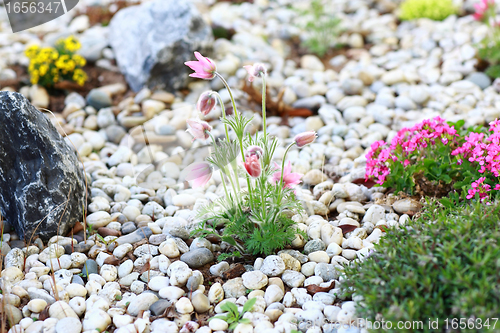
(199, 174)
(206, 102)
(255, 70)
(204, 68)
(289, 178)
(199, 129)
(305, 138)
(252, 165)
(253, 151)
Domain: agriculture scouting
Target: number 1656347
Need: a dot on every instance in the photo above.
(32, 7)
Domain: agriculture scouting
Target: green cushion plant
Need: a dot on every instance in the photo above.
(436, 10)
(444, 266)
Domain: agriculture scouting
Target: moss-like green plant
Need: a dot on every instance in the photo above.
(436, 10)
(444, 266)
(323, 28)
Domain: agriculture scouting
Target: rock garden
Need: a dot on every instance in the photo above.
(267, 166)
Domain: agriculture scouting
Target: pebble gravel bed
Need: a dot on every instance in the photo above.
(141, 271)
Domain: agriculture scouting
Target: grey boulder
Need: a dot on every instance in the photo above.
(153, 40)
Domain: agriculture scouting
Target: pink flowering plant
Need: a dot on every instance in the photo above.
(489, 47)
(259, 193)
(433, 158)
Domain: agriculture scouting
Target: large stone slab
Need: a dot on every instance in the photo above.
(38, 172)
(153, 40)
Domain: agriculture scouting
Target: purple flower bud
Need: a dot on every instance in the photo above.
(206, 102)
(305, 138)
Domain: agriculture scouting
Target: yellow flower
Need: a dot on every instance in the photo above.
(61, 62)
(43, 69)
(46, 54)
(71, 44)
(32, 51)
(79, 76)
(79, 60)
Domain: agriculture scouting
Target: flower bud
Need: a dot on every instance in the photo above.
(305, 138)
(199, 129)
(206, 102)
(252, 165)
(199, 173)
(257, 70)
(254, 151)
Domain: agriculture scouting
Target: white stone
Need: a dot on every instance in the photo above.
(216, 293)
(184, 305)
(98, 219)
(69, 325)
(217, 324)
(96, 319)
(254, 280)
(273, 266)
(61, 310)
(171, 293)
(273, 294)
(169, 248)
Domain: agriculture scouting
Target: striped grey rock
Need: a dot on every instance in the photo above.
(41, 182)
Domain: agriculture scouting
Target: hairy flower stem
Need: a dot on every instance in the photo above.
(280, 188)
(223, 114)
(239, 135)
(229, 91)
(264, 108)
(223, 173)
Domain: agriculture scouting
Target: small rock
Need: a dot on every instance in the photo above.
(234, 288)
(293, 279)
(159, 307)
(69, 325)
(98, 99)
(254, 280)
(198, 257)
(273, 266)
(141, 302)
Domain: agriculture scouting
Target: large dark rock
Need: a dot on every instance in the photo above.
(38, 172)
(153, 40)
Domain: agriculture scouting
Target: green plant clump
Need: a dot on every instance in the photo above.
(232, 316)
(436, 10)
(445, 266)
(322, 27)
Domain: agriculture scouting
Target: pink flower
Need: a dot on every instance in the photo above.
(481, 188)
(252, 165)
(206, 102)
(289, 179)
(199, 174)
(253, 151)
(305, 138)
(481, 8)
(199, 129)
(257, 70)
(204, 68)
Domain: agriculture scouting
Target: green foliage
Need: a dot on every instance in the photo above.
(224, 256)
(233, 317)
(489, 50)
(445, 265)
(258, 238)
(436, 10)
(323, 28)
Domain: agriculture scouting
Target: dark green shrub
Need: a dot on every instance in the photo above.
(446, 265)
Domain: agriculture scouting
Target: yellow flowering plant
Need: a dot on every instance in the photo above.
(49, 65)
